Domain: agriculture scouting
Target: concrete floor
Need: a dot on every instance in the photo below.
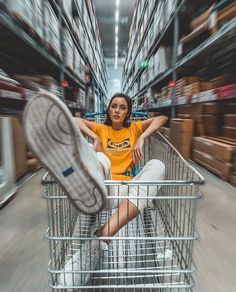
(215, 252)
(24, 250)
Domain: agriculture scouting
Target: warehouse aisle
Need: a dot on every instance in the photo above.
(24, 250)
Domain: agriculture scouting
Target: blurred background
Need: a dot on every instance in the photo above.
(173, 57)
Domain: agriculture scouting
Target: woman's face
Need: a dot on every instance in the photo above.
(118, 110)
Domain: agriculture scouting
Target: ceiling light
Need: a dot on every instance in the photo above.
(116, 29)
(117, 15)
(117, 3)
(116, 39)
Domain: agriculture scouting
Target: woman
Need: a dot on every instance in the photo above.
(118, 144)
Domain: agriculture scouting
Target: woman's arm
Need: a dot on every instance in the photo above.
(149, 126)
(86, 128)
(152, 125)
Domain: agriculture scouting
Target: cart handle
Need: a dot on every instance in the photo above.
(90, 115)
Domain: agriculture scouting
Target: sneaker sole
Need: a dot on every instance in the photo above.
(55, 140)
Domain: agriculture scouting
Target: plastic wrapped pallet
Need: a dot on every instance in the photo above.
(68, 49)
(67, 6)
(38, 17)
(170, 7)
(52, 28)
(77, 63)
(77, 26)
(79, 4)
(11, 91)
(22, 9)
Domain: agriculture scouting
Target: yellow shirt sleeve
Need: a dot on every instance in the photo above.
(96, 128)
(138, 127)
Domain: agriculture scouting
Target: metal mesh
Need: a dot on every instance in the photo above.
(151, 253)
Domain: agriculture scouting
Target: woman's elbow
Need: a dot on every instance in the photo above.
(164, 119)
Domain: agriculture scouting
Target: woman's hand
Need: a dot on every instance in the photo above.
(138, 150)
(97, 145)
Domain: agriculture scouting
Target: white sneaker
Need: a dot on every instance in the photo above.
(85, 259)
(58, 143)
(165, 256)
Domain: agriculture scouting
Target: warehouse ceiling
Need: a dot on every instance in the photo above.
(105, 11)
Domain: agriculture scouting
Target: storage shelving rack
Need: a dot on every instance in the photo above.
(22, 51)
(201, 57)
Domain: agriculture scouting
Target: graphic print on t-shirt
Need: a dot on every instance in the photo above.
(118, 146)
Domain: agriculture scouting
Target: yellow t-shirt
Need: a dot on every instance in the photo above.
(118, 146)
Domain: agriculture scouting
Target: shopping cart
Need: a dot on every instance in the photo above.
(101, 116)
(151, 253)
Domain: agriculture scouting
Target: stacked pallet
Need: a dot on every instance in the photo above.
(184, 85)
(208, 23)
(216, 154)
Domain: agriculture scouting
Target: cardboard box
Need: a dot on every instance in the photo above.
(198, 87)
(201, 18)
(229, 108)
(186, 82)
(211, 125)
(223, 80)
(198, 129)
(22, 9)
(166, 132)
(229, 132)
(232, 179)
(68, 49)
(196, 108)
(19, 147)
(223, 169)
(218, 150)
(230, 120)
(181, 135)
(52, 28)
(212, 107)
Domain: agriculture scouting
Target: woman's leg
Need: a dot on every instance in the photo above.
(125, 212)
(129, 208)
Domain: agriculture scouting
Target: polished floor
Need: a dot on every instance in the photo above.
(24, 249)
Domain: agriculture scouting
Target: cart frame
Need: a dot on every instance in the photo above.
(136, 259)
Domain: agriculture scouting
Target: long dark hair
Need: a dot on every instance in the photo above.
(126, 122)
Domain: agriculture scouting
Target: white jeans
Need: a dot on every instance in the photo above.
(153, 170)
